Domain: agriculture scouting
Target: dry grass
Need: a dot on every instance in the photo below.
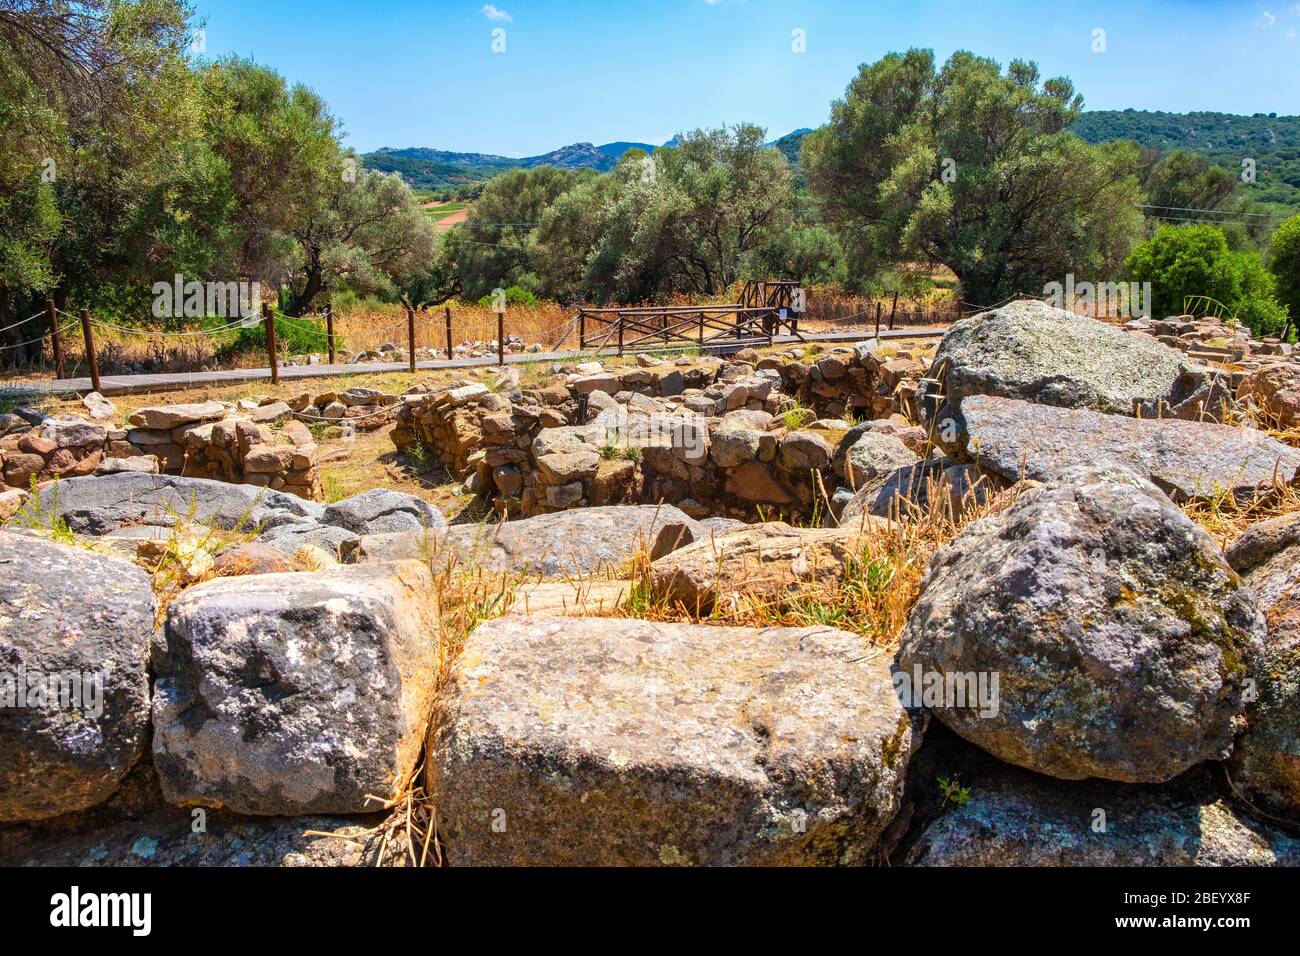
(546, 323)
(873, 595)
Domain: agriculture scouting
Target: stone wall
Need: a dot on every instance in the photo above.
(67, 448)
(212, 440)
(711, 438)
(203, 440)
(866, 380)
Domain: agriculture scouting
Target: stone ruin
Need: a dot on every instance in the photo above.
(208, 439)
(806, 745)
(713, 438)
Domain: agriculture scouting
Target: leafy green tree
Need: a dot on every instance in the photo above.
(278, 145)
(1284, 262)
(570, 229)
(95, 97)
(1182, 262)
(975, 169)
(368, 229)
(492, 247)
(805, 254)
(720, 195)
(691, 219)
(1181, 180)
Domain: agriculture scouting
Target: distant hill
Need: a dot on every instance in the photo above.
(426, 168)
(1272, 141)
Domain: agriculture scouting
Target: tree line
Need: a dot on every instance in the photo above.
(130, 160)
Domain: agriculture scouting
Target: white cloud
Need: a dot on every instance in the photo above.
(1267, 20)
(495, 13)
(1290, 34)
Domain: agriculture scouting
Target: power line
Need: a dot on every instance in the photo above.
(1217, 212)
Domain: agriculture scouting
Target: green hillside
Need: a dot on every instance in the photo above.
(1272, 141)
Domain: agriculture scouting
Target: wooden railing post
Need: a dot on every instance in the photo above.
(701, 330)
(92, 359)
(620, 333)
(878, 311)
(268, 323)
(410, 336)
(329, 329)
(55, 345)
(582, 330)
(501, 338)
(448, 333)
(893, 310)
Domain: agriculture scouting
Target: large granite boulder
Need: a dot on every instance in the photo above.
(1017, 819)
(74, 687)
(565, 543)
(1028, 350)
(597, 741)
(285, 694)
(762, 562)
(1121, 641)
(1185, 459)
(1266, 762)
(99, 505)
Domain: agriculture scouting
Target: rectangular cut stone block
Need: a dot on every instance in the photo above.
(286, 694)
(599, 741)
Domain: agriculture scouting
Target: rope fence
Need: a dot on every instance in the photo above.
(431, 332)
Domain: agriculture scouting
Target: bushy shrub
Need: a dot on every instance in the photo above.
(1185, 261)
(292, 336)
(1284, 261)
(515, 295)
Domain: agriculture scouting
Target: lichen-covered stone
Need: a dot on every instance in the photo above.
(74, 688)
(1122, 642)
(1186, 459)
(1266, 762)
(295, 693)
(595, 741)
(1023, 820)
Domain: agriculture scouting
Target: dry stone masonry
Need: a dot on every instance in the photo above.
(1083, 644)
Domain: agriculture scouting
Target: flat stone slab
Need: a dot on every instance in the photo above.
(601, 741)
(162, 417)
(98, 505)
(580, 541)
(1184, 459)
(764, 562)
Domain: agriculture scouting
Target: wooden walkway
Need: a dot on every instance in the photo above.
(172, 381)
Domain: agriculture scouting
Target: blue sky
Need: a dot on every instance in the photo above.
(423, 72)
